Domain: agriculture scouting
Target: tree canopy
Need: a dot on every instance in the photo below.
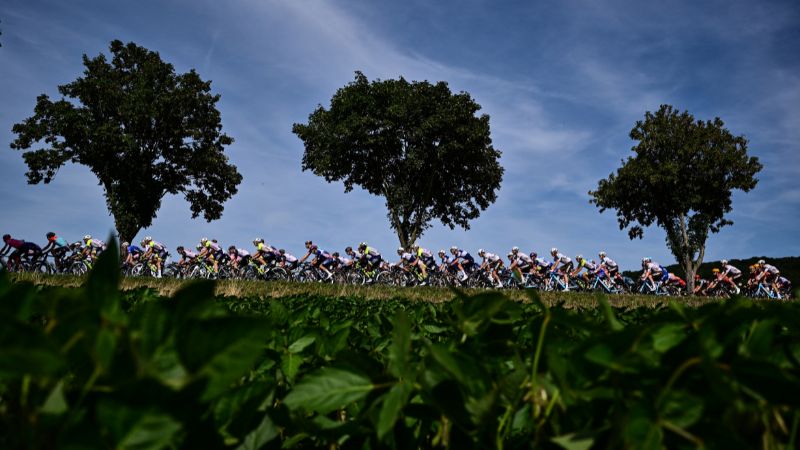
(416, 144)
(142, 129)
(681, 179)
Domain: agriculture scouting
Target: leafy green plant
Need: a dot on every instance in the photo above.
(97, 367)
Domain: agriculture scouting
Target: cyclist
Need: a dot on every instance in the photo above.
(562, 265)
(729, 275)
(211, 251)
(409, 260)
(132, 254)
(92, 247)
(156, 251)
(265, 254)
(784, 286)
(463, 260)
(340, 261)
(371, 257)
(769, 274)
(287, 260)
(187, 256)
(700, 285)
(322, 259)
(520, 262)
(491, 263)
(425, 255)
(239, 257)
(590, 266)
(611, 268)
(57, 246)
(654, 271)
(446, 261)
(28, 249)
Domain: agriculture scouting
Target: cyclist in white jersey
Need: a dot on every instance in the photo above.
(491, 263)
(728, 274)
(562, 264)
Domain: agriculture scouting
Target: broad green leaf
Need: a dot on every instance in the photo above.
(574, 441)
(393, 403)
(682, 408)
(400, 348)
(300, 344)
(290, 364)
(265, 432)
(667, 336)
(55, 403)
(328, 389)
(135, 428)
(608, 311)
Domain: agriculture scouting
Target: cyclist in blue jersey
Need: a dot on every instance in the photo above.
(132, 254)
(463, 260)
(322, 259)
(57, 246)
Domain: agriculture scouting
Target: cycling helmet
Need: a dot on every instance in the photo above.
(441, 252)
(282, 251)
(179, 249)
(414, 246)
(553, 251)
(761, 262)
(348, 250)
(232, 248)
(6, 237)
(362, 245)
(510, 255)
(453, 248)
(50, 234)
(715, 270)
(602, 254)
(579, 258)
(125, 244)
(87, 237)
(312, 248)
(533, 255)
(198, 247)
(724, 262)
(204, 240)
(308, 244)
(646, 259)
(258, 241)
(400, 250)
(335, 254)
(148, 239)
(480, 251)
(696, 277)
(514, 249)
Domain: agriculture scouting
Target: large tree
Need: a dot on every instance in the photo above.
(416, 144)
(681, 179)
(142, 129)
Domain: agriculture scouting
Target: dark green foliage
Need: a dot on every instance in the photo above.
(97, 368)
(681, 179)
(416, 144)
(144, 132)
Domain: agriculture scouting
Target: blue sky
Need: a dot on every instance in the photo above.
(563, 82)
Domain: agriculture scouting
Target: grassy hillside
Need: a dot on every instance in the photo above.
(789, 267)
(283, 290)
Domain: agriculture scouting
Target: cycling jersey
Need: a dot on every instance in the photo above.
(240, 253)
(133, 250)
(188, 254)
(408, 257)
(157, 247)
(563, 259)
(491, 257)
(523, 259)
(58, 242)
(213, 247)
(289, 258)
(95, 244)
(590, 266)
(608, 262)
(541, 262)
(446, 259)
(729, 269)
(653, 267)
(463, 254)
(770, 269)
(15, 243)
(342, 261)
(371, 253)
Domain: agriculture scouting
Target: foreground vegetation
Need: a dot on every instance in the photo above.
(97, 366)
(262, 291)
